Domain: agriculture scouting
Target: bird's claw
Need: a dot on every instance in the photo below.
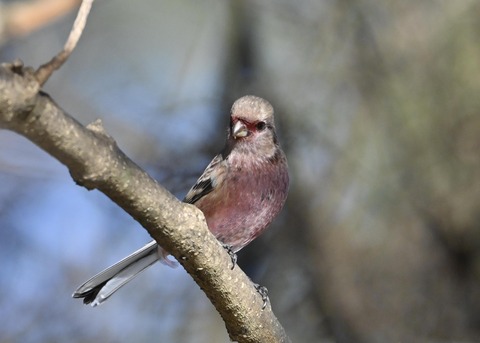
(263, 291)
(232, 254)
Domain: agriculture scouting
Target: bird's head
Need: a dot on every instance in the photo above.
(252, 128)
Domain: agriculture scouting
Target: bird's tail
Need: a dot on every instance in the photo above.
(100, 287)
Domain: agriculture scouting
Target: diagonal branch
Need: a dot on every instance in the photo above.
(95, 162)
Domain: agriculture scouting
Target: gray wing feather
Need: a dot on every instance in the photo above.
(205, 183)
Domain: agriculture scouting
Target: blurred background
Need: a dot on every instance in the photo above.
(377, 105)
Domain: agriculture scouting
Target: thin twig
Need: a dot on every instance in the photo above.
(44, 72)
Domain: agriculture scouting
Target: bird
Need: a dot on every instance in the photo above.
(240, 192)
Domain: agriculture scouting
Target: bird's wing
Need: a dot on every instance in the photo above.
(207, 181)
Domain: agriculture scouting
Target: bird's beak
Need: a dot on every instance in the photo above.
(239, 130)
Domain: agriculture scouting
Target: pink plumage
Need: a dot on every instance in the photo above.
(240, 192)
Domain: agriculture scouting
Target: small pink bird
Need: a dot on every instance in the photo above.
(240, 193)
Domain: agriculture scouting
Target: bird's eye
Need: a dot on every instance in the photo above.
(261, 126)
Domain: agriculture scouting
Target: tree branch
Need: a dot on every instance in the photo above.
(95, 162)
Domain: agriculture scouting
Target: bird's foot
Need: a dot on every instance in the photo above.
(232, 254)
(263, 291)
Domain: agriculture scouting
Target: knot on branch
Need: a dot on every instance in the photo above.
(18, 89)
(97, 129)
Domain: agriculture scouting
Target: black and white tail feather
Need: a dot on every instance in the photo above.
(100, 287)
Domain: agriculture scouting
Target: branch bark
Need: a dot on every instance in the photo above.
(95, 162)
